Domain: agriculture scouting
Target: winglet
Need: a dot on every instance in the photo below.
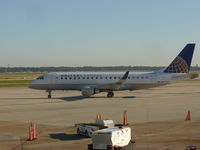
(125, 76)
(114, 85)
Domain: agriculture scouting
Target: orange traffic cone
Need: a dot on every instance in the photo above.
(188, 116)
(125, 118)
(32, 133)
(100, 116)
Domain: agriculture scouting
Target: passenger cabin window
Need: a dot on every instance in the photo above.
(40, 78)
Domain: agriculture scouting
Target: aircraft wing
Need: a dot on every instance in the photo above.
(112, 86)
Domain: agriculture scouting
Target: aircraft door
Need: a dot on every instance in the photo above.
(49, 78)
(54, 79)
(153, 78)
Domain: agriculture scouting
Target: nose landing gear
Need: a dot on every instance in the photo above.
(49, 93)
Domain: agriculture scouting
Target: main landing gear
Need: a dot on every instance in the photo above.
(110, 94)
(49, 93)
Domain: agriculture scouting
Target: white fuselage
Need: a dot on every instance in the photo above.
(80, 80)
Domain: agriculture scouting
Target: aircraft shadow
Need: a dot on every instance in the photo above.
(73, 98)
(66, 137)
(76, 98)
(129, 97)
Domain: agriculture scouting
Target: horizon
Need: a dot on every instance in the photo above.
(83, 66)
(77, 66)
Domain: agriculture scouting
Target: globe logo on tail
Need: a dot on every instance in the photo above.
(178, 65)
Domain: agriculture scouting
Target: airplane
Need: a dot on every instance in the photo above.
(90, 83)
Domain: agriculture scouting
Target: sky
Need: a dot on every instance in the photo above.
(39, 33)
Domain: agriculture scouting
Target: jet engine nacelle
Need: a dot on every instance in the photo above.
(88, 91)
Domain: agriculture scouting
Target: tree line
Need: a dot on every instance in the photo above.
(86, 68)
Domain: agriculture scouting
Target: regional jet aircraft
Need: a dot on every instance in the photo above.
(90, 83)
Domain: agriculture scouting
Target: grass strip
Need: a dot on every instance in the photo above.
(14, 83)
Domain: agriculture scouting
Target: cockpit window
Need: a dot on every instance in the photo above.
(40, 78)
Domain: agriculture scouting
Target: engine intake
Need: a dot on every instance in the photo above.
(88, 91)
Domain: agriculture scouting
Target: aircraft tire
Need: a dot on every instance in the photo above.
(86, 133)
(78, 131)
(110, 94)
(49, 96)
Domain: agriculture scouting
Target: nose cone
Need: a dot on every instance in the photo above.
(32, 85)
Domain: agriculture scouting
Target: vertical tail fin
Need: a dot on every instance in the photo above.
(181, 64)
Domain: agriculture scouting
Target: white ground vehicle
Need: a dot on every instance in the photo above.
(87, 129)
(109, 138)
